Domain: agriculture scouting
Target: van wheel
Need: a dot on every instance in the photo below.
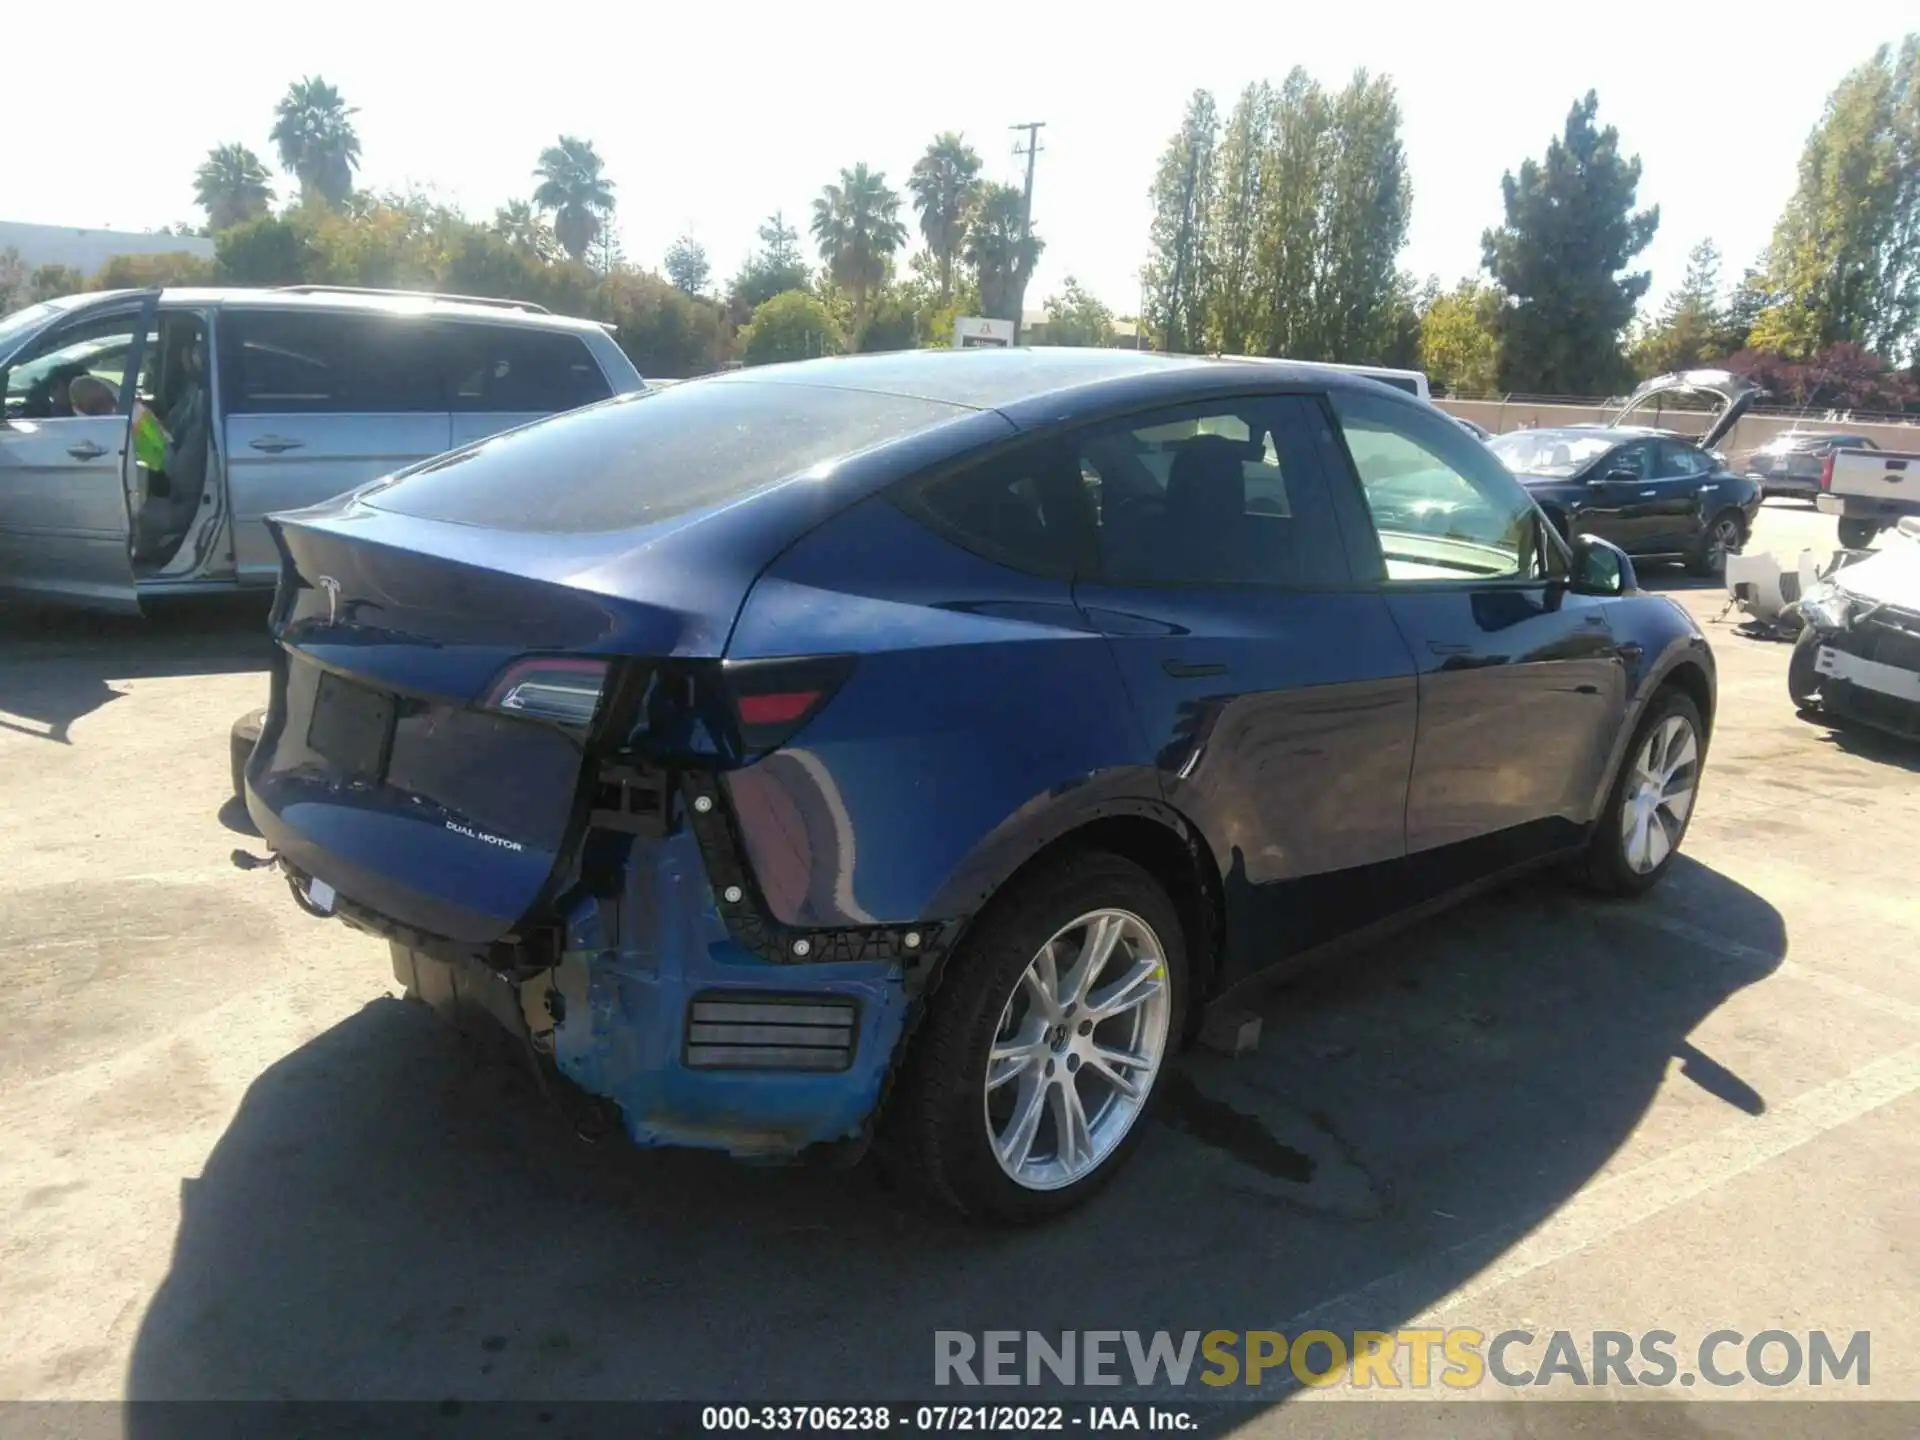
(244, 736)
(1640, 831)
(1051, 1029)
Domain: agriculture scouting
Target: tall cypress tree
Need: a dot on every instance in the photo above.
(1570, 233)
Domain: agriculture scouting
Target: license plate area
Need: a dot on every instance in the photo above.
(351, 727)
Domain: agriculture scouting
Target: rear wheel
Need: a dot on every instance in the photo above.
(1647, 812)
(1858, 534)
(1044, 1051)
(1724, 535)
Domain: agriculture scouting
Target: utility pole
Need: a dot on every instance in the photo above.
(1033, 129)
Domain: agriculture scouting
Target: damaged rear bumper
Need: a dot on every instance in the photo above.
(695, 1040)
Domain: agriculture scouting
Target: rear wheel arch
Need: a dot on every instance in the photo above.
(1167, 847)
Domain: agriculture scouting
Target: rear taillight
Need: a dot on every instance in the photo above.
(773, 699)
(564, 690)
(1826, 472)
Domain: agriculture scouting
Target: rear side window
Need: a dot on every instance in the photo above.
(520, 369)
(306, 362)
(648, 457)
(1230, 493)
(1025, 509)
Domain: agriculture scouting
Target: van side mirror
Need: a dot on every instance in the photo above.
(1601, 568)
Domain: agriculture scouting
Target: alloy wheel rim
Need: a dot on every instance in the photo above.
(1726, 535)
(1659, 794)
(1077, 1049)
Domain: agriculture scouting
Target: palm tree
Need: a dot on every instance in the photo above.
(857, 225)
(945, 182)
(574, 189)
(525, 229)
(1002, 250)
(316, 140)
(231, 185)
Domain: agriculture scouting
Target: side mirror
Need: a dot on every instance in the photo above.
(1601, 568)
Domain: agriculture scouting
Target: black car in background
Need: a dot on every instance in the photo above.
(1657, 494)
(1789, 464)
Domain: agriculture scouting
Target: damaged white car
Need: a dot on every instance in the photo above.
(1858, 655)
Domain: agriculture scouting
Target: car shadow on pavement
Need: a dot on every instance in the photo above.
(393, 1213)
(57, 667)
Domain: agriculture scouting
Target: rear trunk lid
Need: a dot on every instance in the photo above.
(1734, 394)
(428, 752)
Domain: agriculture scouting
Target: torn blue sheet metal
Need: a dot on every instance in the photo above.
(631, 967)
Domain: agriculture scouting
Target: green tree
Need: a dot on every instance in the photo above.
(686, 265)
(1001, 250)
(232, 185)
(793, 326)
(13, 281)
(1692, 328)
(1846, 251)
(775, 268)
(1751, 298)
(1242, 165)
(856, 224)
(934, 317)
(524, 228)
(945, 183)
(1570, 231)
(269, 251)
(574, 187)
(1458, 347)
(144, 272)
(50, 282)
(1076, 318)
(313, 131)
(1175, 276)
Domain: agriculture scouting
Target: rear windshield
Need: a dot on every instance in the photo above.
(645, 458)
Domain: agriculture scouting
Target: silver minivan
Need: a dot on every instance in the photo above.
(265, 400)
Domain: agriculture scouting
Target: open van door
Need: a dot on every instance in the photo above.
(65, 472)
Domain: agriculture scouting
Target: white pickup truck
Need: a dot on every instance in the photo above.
(1870, 490)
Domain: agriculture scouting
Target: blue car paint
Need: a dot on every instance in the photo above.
(952, 653)
(628, 972)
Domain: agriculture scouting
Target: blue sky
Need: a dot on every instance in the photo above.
(713, 116)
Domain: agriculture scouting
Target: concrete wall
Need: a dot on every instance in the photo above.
(88, 250)
(1750, 434)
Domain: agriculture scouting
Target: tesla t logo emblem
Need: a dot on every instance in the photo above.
(332, 587)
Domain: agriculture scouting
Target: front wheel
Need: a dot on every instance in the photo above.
(1049, 1033)
(1722, 538)
(1858, 534)
(1803, 678)
(1640, 831)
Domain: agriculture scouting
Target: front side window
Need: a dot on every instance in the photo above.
(1227, 493)
(1682, 461)
(39, 384)
(307, 362)
(1443, 508)
(520, 369)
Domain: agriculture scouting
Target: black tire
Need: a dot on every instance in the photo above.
(1605, 867)
(934, 1136)
(1723, 535)
(1858, 534)
(1803, 681)
(244, 736)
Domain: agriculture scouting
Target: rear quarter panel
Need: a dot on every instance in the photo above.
(983, 718)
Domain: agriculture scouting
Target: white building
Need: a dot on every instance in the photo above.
(87, 250)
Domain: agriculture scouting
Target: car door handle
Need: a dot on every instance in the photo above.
(86, 450)
(1443, 647)
(1644, 494)
(274, 444)
(1180, 670)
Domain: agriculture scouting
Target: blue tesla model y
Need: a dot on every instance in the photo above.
(906, 749)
